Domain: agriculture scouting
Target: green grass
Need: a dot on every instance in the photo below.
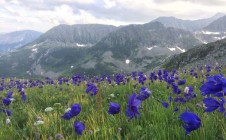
(155, 122)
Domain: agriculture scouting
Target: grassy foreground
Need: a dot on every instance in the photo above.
(156, 122)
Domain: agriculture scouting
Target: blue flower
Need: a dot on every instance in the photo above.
(91, 89)
(9, 94)
(75, 110)
(114, 108)
(79, 127)
(24, 97)
(6, 101)
(141, 78)
(181, 82)
(133, 107)
(119, 78)
(176, 109)
(214, 85)
(212, 104)
(165, 104)
(192, 121)
(67, 115)
(7, 112)
(144, 93)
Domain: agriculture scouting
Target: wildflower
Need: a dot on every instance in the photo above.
(212, 104)
(68, 109)
(79, 127)
(214, 84)
(144, 93)
(192, 121)
(114, 108)
(91, 89)
(7, 121)
(170, 99)
(181, 82)
(186, 90)
(119, 78)
(48, 109)
(74, 111)
(141, 78)
(23, 96)
(38, 123)
(165, 104)
(67, 115)
(9, 94)
(176, 109)
(112, 95)
(6, 101)
(133, 107)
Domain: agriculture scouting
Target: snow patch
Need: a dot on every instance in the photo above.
(72, 67)
(182, 50)
(80, 45)
(35, 50)
(204, 42)
(219, 38)
(172, 49)
(127, 61)
(149, 48)
(210, 33)
(34, 45)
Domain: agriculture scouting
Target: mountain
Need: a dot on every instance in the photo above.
(209, 54)
(79, 35)
(189, 25)
(213, 32)
(97, 49)
(54, 51)
(13, 40)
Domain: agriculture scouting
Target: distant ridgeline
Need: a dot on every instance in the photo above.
(95, 49)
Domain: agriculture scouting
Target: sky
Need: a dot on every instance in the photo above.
(42, 15)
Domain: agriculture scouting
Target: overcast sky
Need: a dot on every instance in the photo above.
(41, 15)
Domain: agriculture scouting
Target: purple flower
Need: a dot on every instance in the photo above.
(176, 109)
(75, 110)
(9, 94)
(79, 127)
(141, 78)
(192, 121)
(24, 97)
(6, 101)
(133, 107)
(67, 115)
(119, 78)
(165, 104)
(91, 89)
(144, 93)
(214, 85)
(181, 82)
(114, 108)
(7, 112)
(212, 104)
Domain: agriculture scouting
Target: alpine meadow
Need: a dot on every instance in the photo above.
(112, 70)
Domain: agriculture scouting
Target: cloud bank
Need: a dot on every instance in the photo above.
(41, 15)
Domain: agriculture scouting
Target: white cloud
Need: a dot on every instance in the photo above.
(78, 1)
(109, 3)
(2, 1)
(42, 15)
